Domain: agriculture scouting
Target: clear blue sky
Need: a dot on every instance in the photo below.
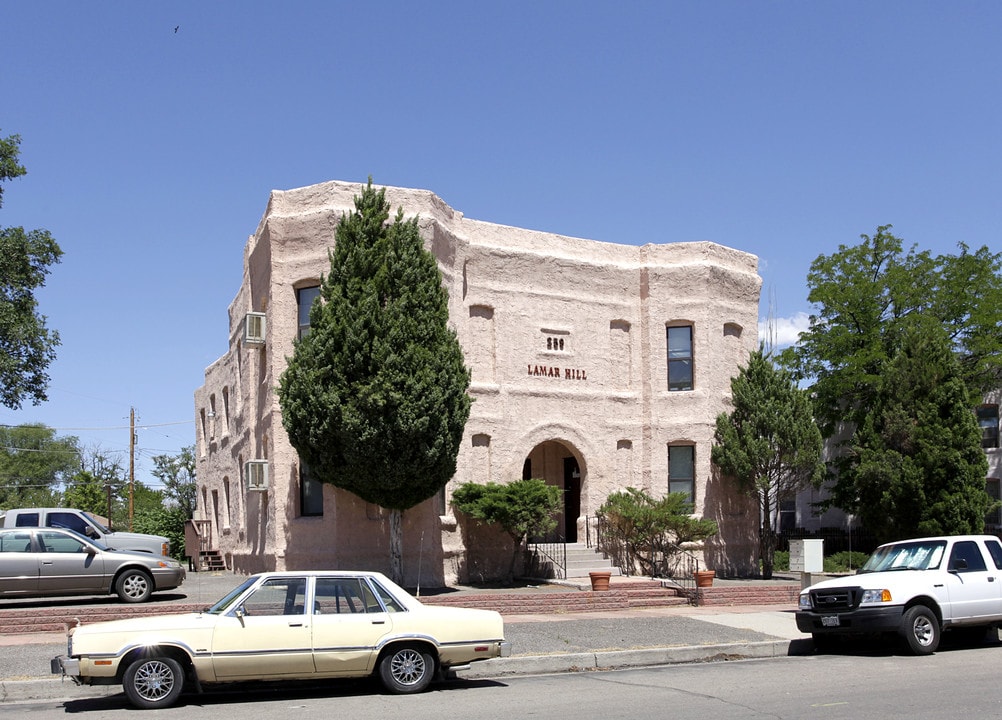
(779, 128)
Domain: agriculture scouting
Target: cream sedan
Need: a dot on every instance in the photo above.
(285, 625)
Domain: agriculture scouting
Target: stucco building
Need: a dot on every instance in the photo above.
(594, 365)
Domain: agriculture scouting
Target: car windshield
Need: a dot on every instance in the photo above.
(223, 605)
(923, 555)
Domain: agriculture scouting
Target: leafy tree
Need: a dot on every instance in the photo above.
(863, 296)
(97, 487)
(374, 396)
(653, 531)
(34, 461)
(768, 443)
(916, 465)
(177, 475)
(27, 346)
(160, 520)
(869, 298)
(87, 492)
(522, 508)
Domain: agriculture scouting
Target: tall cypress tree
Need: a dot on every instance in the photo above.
(374, 397)
(769, 443)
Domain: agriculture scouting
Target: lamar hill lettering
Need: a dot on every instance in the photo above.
(556, 372)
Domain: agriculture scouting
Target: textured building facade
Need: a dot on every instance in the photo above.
(595, 366)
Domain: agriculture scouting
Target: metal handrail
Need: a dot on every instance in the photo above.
(544, 558)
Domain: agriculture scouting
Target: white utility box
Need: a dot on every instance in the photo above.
(807, 556)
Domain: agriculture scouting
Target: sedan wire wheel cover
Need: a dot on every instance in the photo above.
(154, 680)
(408, 667)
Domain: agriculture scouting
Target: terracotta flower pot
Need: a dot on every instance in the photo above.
(704, 578)
(600, 580)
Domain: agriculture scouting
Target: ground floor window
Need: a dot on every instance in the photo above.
(311, 493)
(682, 470)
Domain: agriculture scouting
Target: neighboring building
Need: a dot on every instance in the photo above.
(595, 366)
(988, 419)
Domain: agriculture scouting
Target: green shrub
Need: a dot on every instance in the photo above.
(781, 560)
(845, 561)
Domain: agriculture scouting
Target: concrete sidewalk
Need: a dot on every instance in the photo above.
(541, 644)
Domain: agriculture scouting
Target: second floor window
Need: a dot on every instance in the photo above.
(680, 358)
(304, 300)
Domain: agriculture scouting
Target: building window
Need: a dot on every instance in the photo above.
(682, 470)
(311, 493)
(988, 419)
(787, 515)
(304, 300)
(680, 358)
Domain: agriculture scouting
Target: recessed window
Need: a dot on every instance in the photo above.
(682, 470)
(304, 300)
(680, 358)
(988, 419)
(311, 493)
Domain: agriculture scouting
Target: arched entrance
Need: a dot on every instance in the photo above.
(558, 464)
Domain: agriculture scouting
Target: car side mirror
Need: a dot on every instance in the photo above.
(959, 564)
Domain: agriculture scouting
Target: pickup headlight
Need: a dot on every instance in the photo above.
(805, 601)
(871, 597)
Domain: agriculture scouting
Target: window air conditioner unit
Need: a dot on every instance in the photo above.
(254, 327)
(256, 472)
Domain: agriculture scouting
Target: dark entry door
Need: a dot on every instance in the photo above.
(572, 498)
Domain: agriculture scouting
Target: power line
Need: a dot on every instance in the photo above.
(144, 426)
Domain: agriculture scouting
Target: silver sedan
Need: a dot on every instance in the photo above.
(53, 561)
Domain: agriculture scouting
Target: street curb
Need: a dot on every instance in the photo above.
(644, 657)
(58, 689)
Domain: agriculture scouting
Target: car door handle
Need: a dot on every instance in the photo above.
(991, 579)
(378, 622)
(295, 624)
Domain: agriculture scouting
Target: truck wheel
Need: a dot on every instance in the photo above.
(406, 670)
(134, 586)
(152, 683)
(920, 628)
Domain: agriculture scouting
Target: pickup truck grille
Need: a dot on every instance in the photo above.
(836, 599)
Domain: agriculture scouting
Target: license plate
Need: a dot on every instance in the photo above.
(829, 621)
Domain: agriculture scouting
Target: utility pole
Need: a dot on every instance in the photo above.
(132, 459)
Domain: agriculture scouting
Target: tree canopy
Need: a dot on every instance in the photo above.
(769, 443)
(34, 461)
(863, 296)
(177, 475)
(374, 397)
(27, 346)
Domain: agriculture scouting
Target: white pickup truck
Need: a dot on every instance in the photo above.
(87, 525)
(915, 588)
